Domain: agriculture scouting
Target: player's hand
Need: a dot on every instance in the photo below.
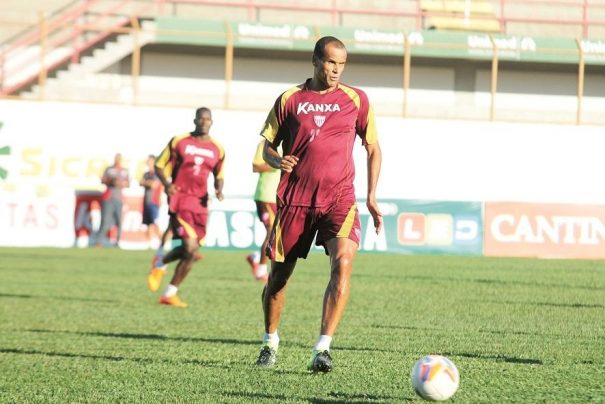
(376, 214)
(288, 162)
(219, 195)
(171, 189)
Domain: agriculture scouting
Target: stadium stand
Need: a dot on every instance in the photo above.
(177, 52)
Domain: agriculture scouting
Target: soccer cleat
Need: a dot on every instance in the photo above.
(320, 361)
(251, 259)
(155, 278)
(173, 301)
(267, 357)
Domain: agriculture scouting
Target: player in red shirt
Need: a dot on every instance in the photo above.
(183, 167)
(316, 123)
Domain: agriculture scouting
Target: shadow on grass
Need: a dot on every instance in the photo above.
(337, 397)
(549, 304)
(107, 357)
(481, 331)
(498, 282)
(20, 296)
(497, 358)
(63, 298)
(158, 337)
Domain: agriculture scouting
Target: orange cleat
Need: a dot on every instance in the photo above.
(155, 278)
(173, 301)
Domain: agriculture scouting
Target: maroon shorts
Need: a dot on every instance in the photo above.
(266, 212)
(188, 224)
(296, 226)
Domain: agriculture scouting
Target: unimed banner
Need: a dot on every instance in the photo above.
(544, 230)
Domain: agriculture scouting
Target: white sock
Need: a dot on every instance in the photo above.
(271, 339)
(323, 343)
(261, 270)
(170, 291)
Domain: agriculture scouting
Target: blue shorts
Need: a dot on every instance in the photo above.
(150, 213)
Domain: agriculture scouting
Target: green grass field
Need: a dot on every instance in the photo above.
(81, 326)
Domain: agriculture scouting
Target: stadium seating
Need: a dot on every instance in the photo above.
(460, 15)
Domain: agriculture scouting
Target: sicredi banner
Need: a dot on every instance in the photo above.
(544, 230)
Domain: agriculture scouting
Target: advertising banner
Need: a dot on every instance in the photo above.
(434, 227)
(544, 230)
(37, 217)
(425, 43)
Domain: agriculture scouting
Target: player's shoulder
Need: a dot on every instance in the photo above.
(218, 145)
(179, 138)
(290, 92)
(352, 90)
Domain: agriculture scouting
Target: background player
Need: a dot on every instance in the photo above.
(151, 203)
(115, 178)
(266, 208)
(183, 167)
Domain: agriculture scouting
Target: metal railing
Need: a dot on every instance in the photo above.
(85, 24)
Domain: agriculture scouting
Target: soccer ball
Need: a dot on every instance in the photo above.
(435, 378)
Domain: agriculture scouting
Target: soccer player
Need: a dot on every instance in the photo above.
(316, 123)
(183, 167)
(266, 207)
(115, 178)
(151, 202)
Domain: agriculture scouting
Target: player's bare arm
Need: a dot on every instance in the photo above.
(169, 187)
(218, 187)
(374, 164)
(272, 157)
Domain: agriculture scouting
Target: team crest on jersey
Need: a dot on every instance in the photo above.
(319, 120)
(306, 107)
(199, 151)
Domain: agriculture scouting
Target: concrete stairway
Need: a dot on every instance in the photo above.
(86, 80)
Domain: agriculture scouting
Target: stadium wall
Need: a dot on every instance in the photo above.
(454, 187)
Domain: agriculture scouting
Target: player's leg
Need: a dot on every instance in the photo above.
(339, 233)
(117, 214)
(290, 238)
(342, 253)
(183, 267)
(266, 213)
(192, 228)
(273, 299)
(101, 235)
(160, 260)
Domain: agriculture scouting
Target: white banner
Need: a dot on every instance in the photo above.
(50, 150)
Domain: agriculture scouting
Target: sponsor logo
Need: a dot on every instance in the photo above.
(545, 230)
(198, 151)
(319, 120)
(541, 229)
(285, 31)
(437, 229)
(306, 107)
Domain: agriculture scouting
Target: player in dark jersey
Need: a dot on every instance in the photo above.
(183, 167)
(316, 123)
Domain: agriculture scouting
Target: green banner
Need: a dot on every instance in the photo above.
(429, 43)
(433, 227)
(190, 32)
(273, 36)
(409, 227)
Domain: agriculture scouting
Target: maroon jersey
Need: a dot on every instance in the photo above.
(320, 130)
(189, 162)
